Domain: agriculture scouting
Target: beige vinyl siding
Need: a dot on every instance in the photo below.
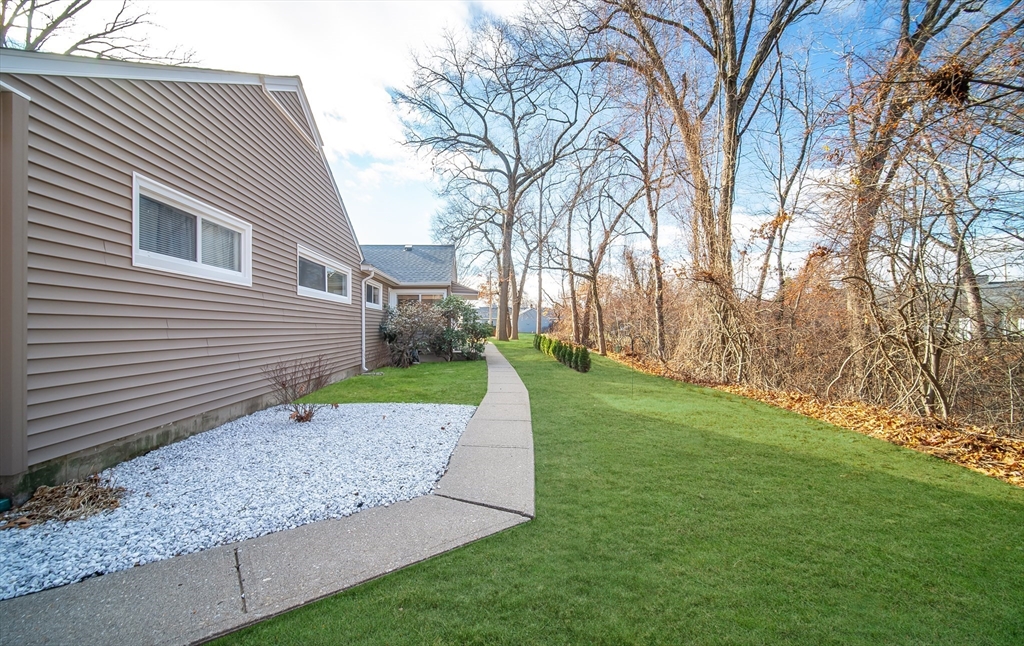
(114, 350)
(373, 319)
(293, 105)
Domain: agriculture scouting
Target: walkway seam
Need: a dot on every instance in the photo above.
(483, 504)
(241, 586)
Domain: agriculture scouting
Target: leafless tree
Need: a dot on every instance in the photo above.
(654, 175)
(674, 47)
(793, 126)
(35, 25)
(879, 108)
(494, 125)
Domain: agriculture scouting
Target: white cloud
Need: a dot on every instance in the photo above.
(347, 54)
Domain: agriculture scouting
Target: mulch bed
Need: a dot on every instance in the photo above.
(969, 446)
(70, 501)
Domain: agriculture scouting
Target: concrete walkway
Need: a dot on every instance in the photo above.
(488, 488)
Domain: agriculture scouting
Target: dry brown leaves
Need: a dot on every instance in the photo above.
(969, 446)
(71, 501)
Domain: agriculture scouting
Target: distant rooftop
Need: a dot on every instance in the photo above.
(434, 264)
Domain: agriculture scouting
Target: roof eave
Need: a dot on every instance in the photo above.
(16, 61)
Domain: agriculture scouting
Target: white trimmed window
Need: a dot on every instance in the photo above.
(323, 277)
(373, 295)
(399, 296)
(176, 233)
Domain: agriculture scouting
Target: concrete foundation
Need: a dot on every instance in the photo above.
(81, 464)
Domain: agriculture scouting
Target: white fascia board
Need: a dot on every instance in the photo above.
(445, 286)
(294, 84)
(14, 61)
(282, 83)
(8, 88)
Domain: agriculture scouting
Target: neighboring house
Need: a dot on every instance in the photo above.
(527, 318)
(417, 272)
(164, 233)
(1003, 307)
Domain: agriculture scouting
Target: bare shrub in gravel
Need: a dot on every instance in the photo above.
(293, 379)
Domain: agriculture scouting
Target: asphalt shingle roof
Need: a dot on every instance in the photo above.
(420, 264)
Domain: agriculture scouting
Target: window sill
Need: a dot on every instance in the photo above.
(323, 296)
(171, 265)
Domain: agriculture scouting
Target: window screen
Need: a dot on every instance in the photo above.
(337, 282)
(312, 275)
(166, 230)
(222, 247)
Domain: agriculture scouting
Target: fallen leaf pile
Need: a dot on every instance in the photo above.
(969, 446)
(71, 501)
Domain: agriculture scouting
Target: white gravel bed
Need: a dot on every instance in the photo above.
(253, 476)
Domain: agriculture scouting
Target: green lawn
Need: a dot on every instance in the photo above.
(457, 382)
(668, 513)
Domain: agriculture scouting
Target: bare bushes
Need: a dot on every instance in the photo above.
(293, 379)
(922, 354)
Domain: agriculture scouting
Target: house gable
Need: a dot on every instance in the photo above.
(117, 350)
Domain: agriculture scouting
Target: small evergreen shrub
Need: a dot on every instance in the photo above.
(584, 360)
(575, 356)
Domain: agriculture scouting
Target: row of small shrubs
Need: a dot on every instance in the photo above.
(575, 356)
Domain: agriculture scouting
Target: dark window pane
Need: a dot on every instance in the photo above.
(222, 247)
(166, 230)
(312, 275)
(373, 294)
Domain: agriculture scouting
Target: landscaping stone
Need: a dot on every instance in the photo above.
(256, 475)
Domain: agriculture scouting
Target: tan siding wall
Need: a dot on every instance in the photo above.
(374, 353)
(291, 103)
(115, 350)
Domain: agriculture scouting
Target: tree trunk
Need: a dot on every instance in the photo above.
(585, 320)
(965, 268)
(659, 280)
(505, 276)
(891, 102)
(599, 315)
(516, 302)
(763, 274)
(573, 305)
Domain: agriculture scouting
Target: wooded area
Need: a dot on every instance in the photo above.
(804, 195)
